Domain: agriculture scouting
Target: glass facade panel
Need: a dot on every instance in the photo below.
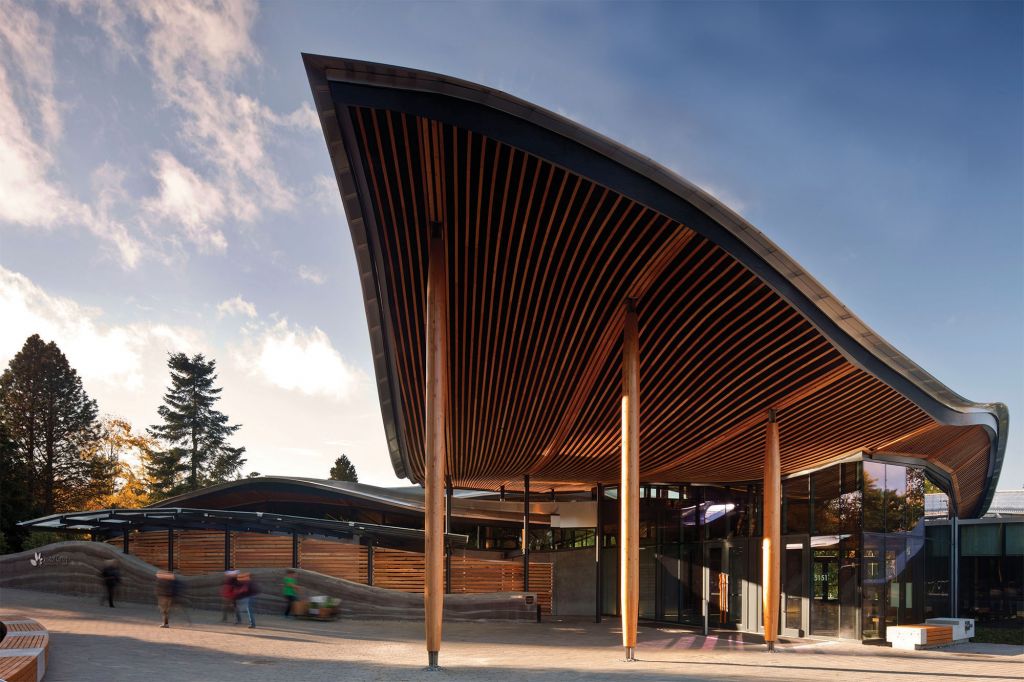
(895, 498)
(980, 540)
(937, 563)
(1015, 539)
(874, 585)
(796, 515)
(874, 497)
(825, 491)
(852, 496)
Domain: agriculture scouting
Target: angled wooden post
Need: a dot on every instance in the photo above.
(629, 488)
(435, 445)
(770, 554)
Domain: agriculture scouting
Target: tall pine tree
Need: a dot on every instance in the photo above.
(196, 434)
(52, 422)
(344, 470)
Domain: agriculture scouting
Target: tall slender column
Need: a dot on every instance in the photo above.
(599, 567)
(170, 549)
(435, 445)
(295, 549)
(526, 533)
(770, 554)
(629, 488)
(124, 540)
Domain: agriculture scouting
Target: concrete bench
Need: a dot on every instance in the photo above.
(24, 650)
(935, 632)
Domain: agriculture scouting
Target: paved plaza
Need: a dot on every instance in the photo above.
(94, 643)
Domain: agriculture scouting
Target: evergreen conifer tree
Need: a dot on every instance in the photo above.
(195, 433)
(52, 422)
(344, 470)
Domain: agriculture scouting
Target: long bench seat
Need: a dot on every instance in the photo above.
(24, 650)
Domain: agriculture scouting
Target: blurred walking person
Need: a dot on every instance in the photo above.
(166, 593)
(111, 576)
(227, 593)
(291, 591)
(244, 595)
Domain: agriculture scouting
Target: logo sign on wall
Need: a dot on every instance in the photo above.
(53, 560)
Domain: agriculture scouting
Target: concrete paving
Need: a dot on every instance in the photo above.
(90, 643)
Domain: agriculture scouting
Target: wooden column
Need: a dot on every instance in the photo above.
(770, 553)
(435, 445)
(629, 488)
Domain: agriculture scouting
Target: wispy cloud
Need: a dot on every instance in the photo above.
(201, 56)
(236, 306)
(31, 126)
(311, 274)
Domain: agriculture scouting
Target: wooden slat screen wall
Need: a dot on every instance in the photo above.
(150, 547)
(197, 552)
(256, 550)
(338, 559)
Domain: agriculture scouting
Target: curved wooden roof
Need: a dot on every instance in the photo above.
(549, 229)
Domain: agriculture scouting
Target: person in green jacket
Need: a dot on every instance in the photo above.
(291, 591)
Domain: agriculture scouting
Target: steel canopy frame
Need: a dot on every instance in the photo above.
(340, 83)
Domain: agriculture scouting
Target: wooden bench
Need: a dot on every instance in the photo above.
(913, 637)
(24, 650)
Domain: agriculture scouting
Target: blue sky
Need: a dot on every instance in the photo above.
(164, 184)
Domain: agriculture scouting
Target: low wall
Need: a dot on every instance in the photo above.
(74, 568)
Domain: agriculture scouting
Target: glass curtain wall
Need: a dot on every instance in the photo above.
(854, 557)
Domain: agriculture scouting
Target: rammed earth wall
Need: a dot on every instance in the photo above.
(73, 568)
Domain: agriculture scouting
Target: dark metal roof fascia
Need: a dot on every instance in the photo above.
(700, 211)
(485, 510)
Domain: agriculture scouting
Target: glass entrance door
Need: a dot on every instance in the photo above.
(794, 587)
(725, 569)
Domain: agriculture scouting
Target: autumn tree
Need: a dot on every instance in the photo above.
(344, 470)
(194, 433)
(130, 454)
(51, 421)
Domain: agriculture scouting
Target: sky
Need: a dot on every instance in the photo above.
(165, 186)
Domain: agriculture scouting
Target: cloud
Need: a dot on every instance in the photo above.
(188, 200)
(29, 136)
(311, 274)
(102, 353)
(297, 360)
(236, 306)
